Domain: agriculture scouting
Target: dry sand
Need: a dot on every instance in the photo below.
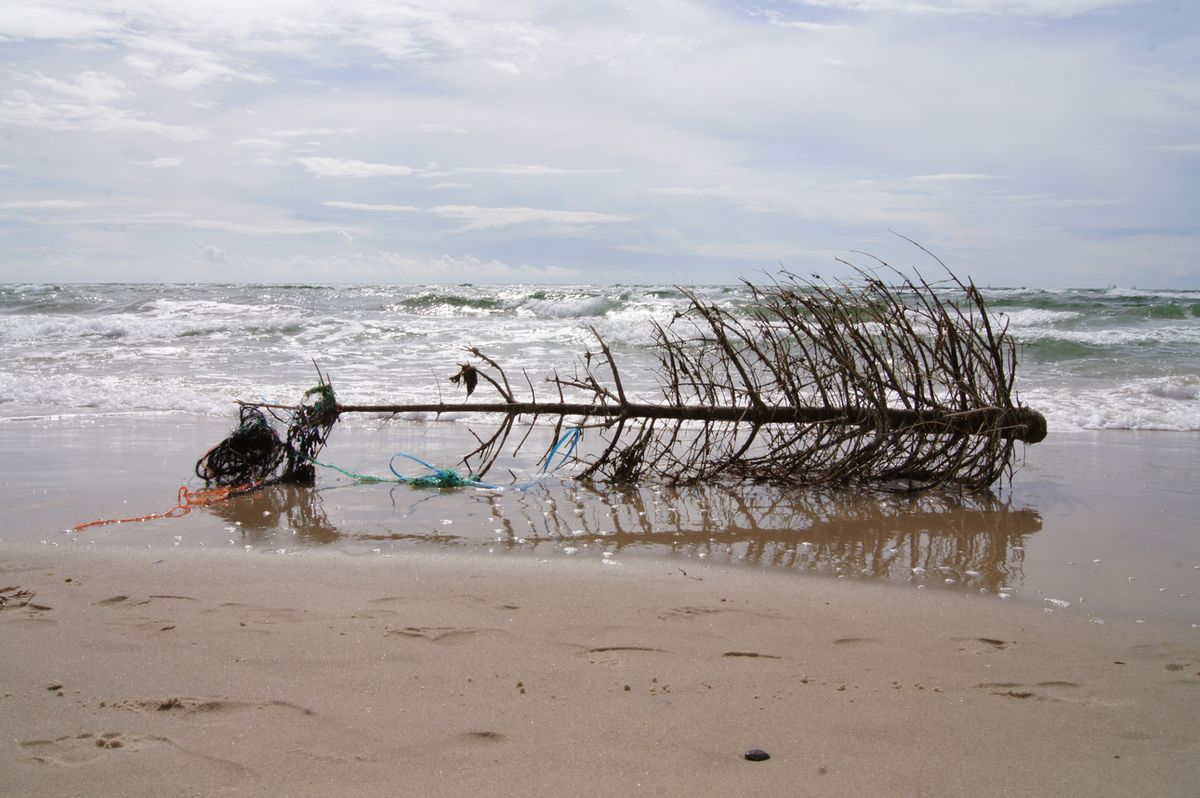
(193, 673)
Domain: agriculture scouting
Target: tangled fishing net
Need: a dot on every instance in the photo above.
(254, 455)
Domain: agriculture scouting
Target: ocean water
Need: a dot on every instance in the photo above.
(1088, 359)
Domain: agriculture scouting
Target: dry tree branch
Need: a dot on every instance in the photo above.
(908, 385)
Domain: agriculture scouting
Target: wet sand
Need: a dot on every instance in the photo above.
(183, 672)
(1095, 524)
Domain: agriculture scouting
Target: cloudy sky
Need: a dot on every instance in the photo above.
(1026, 142)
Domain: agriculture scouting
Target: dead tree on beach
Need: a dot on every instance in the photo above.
(905, 385)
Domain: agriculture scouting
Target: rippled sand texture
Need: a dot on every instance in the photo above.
(185, 672)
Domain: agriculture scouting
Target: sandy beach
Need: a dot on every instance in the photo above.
(195, 673)
(376, 640)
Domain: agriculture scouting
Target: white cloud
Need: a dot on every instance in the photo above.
(388, 266)
(507, 67)
(366, 206)
(345, 167)
(482, 218)
(1030, 8)
(178, 65)
(162, 163)
(521, 170)
(695, 191)
(265, 226)
(435, 128)
(21, 109)
(778, 20)
(49, 204)
(260, 144)
(762, 253)
(86, 102)
(954, 177)
(28, 21)
(307, 132)
(211, 253)
(492, 270)
(1051, 201)
(89, 87)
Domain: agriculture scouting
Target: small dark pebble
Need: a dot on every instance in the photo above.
(757, 755)
(54, 686)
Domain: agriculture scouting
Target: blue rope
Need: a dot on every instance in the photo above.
(437, 477)
(353, 474)
(571, 439)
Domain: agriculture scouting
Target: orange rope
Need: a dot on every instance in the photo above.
(188, 501)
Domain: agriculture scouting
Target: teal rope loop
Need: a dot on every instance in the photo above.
(563, 449)
(353, 474)
(437, 478)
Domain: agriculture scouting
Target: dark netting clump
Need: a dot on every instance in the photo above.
(249, 455)
(308, 430)
(253, 455)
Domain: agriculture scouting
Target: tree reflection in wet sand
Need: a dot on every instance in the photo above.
(948, 537)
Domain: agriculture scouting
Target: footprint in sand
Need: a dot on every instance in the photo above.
(291, 729)
(445, 635)
(690, 612)
(36, 616)
(1182, 662)
(194, 706)
(980, 645)
(613, 655)
(1054, 690)
(125, 601)
(247, 612)
(149, 624)
(482, 737)
(602, 649)
(1169, 654)
(82, 749)
(127, 752)
(70, 751)
(750, 655)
